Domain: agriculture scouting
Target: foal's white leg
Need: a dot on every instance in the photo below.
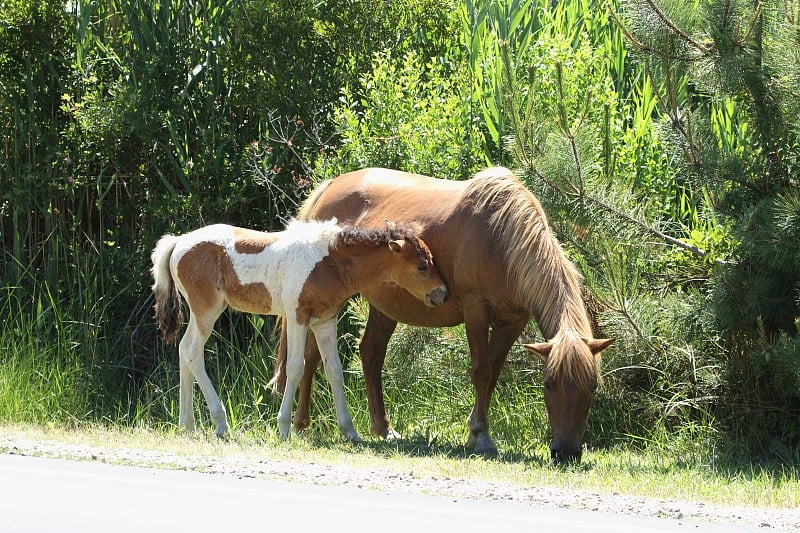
(192, 363)
(186, 396)
(325, 332)
(295, 363)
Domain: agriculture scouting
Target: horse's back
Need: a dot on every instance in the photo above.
(371, 196)
(458, 234)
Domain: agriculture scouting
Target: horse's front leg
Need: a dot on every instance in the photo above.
(373, 346)
(501, 339)
(476, 324)
(295, 344)
(325, 333)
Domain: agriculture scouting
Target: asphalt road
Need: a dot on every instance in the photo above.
(50, 495)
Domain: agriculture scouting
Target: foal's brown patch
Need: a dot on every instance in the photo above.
(207, 274)
(248, 241)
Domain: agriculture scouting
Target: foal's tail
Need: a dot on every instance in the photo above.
(169, 313)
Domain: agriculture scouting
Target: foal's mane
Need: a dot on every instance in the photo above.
(544, 280)
(355, 236)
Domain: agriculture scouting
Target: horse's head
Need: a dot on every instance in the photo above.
(415, 271)
(571, 378)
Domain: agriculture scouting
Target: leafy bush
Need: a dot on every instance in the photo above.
(408, 115)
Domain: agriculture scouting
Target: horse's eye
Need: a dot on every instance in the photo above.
(548, 384)
(422, 268)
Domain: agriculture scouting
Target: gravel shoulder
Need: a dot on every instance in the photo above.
(407, 482)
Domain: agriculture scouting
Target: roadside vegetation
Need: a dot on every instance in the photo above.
(662, 137)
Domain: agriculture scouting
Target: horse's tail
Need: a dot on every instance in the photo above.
(169, 313)
(278, 381)
(308, 205)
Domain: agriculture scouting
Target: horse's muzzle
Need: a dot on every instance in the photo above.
(437, 296)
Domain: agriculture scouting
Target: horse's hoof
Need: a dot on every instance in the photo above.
(485, 446)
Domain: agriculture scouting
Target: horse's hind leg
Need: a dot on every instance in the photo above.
(295, 343)
(302, 417)
(192, 364)
(476, 324)
(186, 395)
(325, 334)
(373, 346)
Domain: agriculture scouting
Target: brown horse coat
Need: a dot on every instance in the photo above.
(501, 264)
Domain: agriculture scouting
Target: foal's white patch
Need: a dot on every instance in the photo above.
(282, 267)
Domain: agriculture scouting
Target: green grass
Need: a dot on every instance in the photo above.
(56, 383)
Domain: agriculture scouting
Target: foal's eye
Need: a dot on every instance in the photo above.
(548, 385)
(422, 268)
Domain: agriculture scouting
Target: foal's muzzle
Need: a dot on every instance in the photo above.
(437, 296)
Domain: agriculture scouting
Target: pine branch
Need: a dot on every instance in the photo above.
(653, 231)
(644, 47)
(576, 193)
(755, 23)
(700, 47)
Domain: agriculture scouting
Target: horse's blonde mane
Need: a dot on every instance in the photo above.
(566, 363)
(544, 280)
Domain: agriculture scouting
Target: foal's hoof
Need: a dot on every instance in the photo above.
(222, 431)
(391, 435)
(353, 437)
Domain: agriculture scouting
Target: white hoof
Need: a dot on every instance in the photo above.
(391, 434)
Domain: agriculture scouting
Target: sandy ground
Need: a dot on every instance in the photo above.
(411, 482)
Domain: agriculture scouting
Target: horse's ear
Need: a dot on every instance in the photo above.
(397, 246)
(542, 349)
(598, 345)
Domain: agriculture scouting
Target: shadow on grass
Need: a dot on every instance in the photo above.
(417, 446)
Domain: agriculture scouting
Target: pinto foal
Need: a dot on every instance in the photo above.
(305, 273)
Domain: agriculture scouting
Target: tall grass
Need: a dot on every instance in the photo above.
(49, 356)
(59, 366)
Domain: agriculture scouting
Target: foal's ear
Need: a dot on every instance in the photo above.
(598, 345)
(397, 246)
(542, 349)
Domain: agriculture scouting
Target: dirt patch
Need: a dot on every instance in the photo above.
(410, 482)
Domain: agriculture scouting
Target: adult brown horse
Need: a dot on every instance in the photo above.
(501, 264)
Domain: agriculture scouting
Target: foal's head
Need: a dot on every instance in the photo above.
(412, 267)
(571, 378)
